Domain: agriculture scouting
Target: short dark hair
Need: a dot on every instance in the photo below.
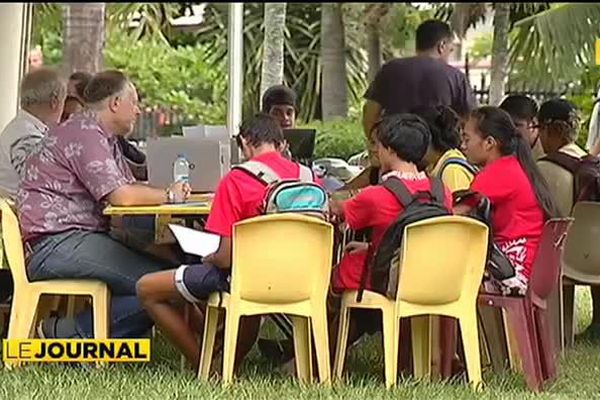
(519, 106)
(261, 129)
(407, 135)
(278, 94)
(82, 79)
(432, 32)
(103, 85)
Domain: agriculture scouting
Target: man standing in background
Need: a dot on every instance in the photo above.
(404, 84)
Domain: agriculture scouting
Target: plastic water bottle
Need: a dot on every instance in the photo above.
(181, 169)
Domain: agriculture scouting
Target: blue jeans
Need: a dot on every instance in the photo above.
(79, 254)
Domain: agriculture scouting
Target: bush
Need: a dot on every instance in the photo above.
(584, 100)
(340, 139)
(182, 79)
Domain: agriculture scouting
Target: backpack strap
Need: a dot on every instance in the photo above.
(398, 189)
(437, 189)
(458, 161)
(306, 174)
(564, 160)
(260, 171)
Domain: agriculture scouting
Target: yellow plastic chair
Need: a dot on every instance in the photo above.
(281, 265)
(581, 260)
(27, 294)
(440, 274)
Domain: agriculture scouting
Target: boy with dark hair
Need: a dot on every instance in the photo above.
(523, 111)
(238, 197)
(279, 101)
(559, 125)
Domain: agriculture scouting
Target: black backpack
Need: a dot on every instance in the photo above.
(383, 263)
(586, 174)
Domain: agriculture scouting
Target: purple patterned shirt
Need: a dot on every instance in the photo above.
(68, 176)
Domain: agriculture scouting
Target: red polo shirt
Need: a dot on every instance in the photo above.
(240, 196)
(374, 207)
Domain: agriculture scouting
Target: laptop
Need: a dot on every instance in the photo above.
(302, 144)
(209, 160)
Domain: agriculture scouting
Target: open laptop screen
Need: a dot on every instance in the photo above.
(301, 142)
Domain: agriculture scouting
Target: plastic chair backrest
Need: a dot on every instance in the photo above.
(582, 253)
(546, 269)
(13, 244)
(281, 258)
(442, 259)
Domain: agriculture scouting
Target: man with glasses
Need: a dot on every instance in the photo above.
(523, 111)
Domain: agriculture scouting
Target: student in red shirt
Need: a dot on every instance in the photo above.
(517, 191)
(239, 196)
(402, 140)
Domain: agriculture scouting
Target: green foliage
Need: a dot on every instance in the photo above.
(481, 47)
(555, 44)
(302, 70)
(398, 29)
(183, 79)
(340, 138)
(584, 100)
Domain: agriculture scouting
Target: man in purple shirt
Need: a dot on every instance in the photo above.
(74, 172)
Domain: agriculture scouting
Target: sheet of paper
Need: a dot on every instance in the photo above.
(195, 242)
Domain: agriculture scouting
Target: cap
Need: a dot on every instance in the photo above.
(557, 110)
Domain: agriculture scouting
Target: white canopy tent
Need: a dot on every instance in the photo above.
(15, 29)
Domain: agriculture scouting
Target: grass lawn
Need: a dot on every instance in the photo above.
(162, 379)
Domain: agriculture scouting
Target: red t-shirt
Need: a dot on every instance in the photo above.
(377, 208)
(517, 218)
(239, 195)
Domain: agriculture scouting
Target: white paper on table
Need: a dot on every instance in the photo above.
(195, 242)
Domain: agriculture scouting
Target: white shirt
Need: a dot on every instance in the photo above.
(16, 142)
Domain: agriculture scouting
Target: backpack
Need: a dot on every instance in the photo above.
(300, 195)
(586, 174)
(458, 161)
(497, 264)
(383, 263)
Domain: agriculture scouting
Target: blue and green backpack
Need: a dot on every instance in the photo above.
(300, 195)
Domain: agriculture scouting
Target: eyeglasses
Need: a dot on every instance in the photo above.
(530, 126)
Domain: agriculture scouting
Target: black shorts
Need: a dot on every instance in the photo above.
(197, 281)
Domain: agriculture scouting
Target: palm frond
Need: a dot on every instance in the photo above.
(555, 44)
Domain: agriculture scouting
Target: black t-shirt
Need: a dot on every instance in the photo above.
(405, 83)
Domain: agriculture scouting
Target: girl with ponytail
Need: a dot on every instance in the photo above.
(520, 199)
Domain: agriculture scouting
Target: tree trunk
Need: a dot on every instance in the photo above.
(499, 52)
(84, 36)
(373, 51)
(273, 61)
(459, 21)
(334, 88)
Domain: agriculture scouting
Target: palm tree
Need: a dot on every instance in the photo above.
(334, 99)
(465, 15)
(499, 52)
(373, 14)
(83, 36)
(86, 23)
(272, 59)
(556, 44)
